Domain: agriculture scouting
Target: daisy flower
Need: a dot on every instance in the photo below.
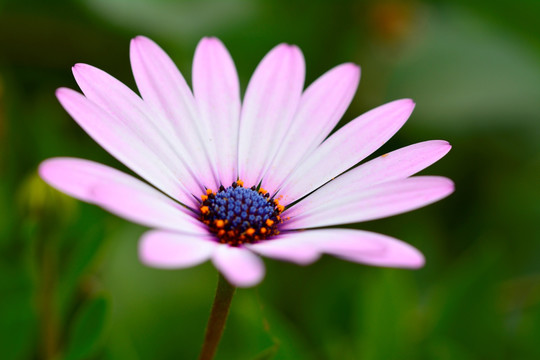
(230, 179)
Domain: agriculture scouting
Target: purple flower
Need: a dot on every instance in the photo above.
(235, 179)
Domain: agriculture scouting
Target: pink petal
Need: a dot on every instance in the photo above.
(130, 110)
(305, 247)
(119, 193)
(173, 250)
(217, 91)
(269, 105)
(393, 253)
(381, 200)
(337, 242)
(346, 147)
(240, 266)
(127, 144)
(166, 93)
(288, 247)
(322, 105)
(396, 165)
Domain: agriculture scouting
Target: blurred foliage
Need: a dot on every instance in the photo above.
(71, 286)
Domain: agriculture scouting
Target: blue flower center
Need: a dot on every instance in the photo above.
(238, 215)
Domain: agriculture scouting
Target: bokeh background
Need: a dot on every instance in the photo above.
(71, 286)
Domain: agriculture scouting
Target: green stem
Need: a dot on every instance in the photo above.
(218, 317)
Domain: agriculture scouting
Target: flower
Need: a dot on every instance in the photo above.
(235, 179)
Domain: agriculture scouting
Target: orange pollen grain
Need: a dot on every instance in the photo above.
(204, 197)
(220, 223)
(208, 191)
(280, 208)
(262, 191)
(240, 182)
(263, 230)
(205, 209)
(269, 222)
(250, 231)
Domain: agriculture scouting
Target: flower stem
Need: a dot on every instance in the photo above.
(218, 317)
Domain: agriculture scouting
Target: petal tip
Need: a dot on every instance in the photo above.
(451, 186)
(140, 38)
(446, 146)
(352, 66)
(43, 169)
(285, 48)
(440, 146)
(350, 70)
(209, 41)
(419, 262)
(410, 102)
(240, 266)
(445, 188)
(79, 66)
(245, 283)
(61, 92)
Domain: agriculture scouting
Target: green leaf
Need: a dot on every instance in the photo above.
(87, 329)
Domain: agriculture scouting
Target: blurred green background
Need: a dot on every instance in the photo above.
(70, 280)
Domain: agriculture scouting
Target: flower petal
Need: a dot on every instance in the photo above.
(322, 105)
(170, 250)
(305, 247)
(392, 253)
(270, 103)
(167, 94)
(127, 144)
(240, 266)
(349, 145)
(337, 242)
(118, 193)
(288, 247)
(381, 200)
(217, 92)
(127, 108)
(396, 165)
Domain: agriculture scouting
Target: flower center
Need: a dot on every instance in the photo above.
(239, 215)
